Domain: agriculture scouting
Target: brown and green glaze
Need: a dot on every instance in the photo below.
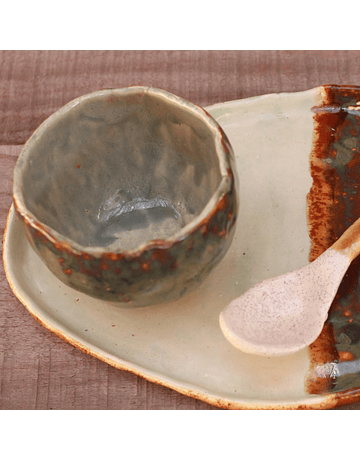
(128, 195)
(333, 205)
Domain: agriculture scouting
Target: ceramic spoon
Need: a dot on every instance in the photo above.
(285, 314)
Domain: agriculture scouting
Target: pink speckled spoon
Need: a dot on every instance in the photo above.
(285, 314)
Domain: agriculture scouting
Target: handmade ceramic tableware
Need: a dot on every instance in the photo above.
(299, 179)
(128, 195)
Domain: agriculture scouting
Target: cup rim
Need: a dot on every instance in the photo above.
(222, 147)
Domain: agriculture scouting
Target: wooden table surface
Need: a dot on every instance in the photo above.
(37, 369)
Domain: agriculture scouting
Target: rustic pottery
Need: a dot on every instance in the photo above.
(298, 160)
(128, 195)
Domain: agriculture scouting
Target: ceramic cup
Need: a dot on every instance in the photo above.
(128, 195)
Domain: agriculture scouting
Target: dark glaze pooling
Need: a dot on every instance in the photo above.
(333, 204)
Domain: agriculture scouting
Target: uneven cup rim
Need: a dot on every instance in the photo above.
(222, 148)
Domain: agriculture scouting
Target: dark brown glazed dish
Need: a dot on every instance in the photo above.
(333, 205)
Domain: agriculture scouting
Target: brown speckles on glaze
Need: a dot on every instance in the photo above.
(145, 266)
(112, 256)
(162, 256)
(346, 356)
(104, 265)
(112, 99)
(205, 231)
(333, 204)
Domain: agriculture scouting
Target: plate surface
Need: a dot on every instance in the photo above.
(180, 345)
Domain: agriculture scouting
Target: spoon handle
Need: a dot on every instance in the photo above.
(349, 242)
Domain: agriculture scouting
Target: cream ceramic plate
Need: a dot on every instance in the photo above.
(180, 345)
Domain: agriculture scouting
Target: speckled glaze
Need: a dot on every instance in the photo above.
(333, 206)
(136, 162)
(180, 344)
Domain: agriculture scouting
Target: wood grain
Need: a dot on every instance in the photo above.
(37, 369)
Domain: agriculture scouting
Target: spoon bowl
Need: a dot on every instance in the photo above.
(282, 315)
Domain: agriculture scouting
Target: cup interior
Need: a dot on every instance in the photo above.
(117, 170)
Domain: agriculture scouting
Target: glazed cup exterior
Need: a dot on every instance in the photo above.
(158, 271)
